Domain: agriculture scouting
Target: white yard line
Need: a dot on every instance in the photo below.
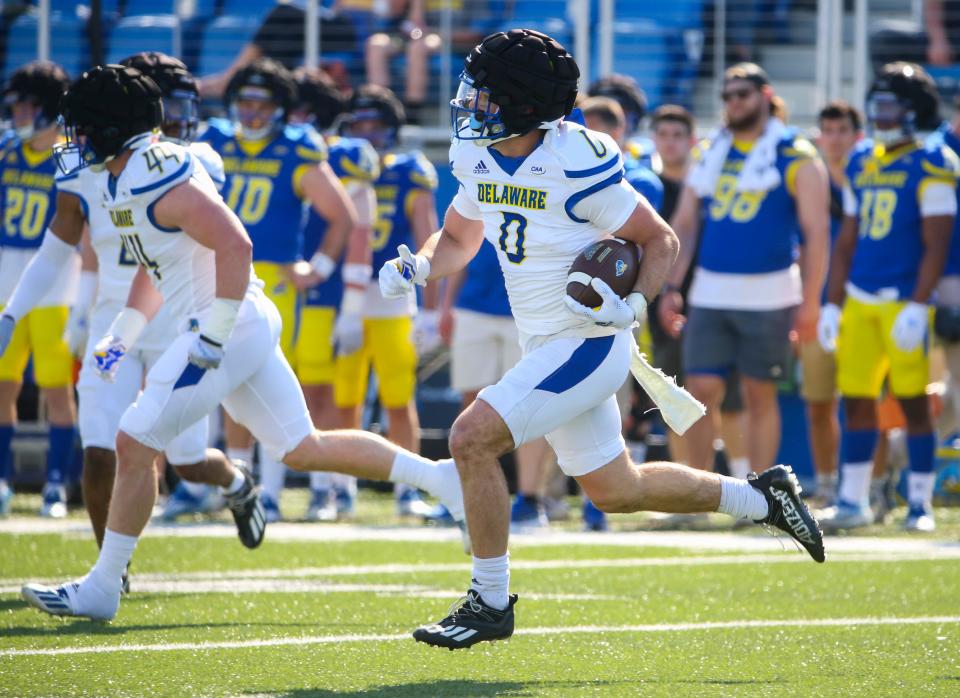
(560, 630)
(703, 541)
(12, 585)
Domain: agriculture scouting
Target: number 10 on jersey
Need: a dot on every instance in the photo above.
(512, 236)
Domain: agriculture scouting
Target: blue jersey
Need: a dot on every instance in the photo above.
(29, 194)
(483, 289)
(639, 151)
(888, 188)
(836, 221)
(946, 136)
(754, 232)
(352, 160)
(645, 181)
(402, 177)
(263, 185)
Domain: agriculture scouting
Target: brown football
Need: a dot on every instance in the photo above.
(614, 260)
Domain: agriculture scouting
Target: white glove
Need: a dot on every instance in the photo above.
(7, 326)
(398, 276)
(426, 331)
(614, 311)
(205, 353)
(347, 333)
(910, 327)
(828, 327)
(77, 331)
(107, 355)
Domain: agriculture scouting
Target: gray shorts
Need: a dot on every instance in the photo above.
(754, 343)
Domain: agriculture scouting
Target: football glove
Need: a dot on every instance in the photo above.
(910, 326)
(426, 331)
(77, 331)
(205, 353)
(614, 311)
(347, 333)
(7, 326)
(107, 355)
(398, 276)
(828, 327)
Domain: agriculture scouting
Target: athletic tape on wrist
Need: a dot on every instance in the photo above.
(127, 326)
(220, 321)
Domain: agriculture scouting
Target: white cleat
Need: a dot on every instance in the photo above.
(842, 516)
(54, 502)
(64, 600)
(323, 506)
(919, 520)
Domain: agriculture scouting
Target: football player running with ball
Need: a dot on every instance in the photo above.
(541, 189)
(195, 259)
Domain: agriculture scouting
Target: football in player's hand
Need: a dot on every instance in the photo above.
(613, 260)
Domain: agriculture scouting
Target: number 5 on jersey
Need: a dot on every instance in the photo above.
(512, 236)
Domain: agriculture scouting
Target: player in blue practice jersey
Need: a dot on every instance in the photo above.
(899, 203)
(331, 319)
(273, 170)
(28, 195)
(406, 215)
(758, 186)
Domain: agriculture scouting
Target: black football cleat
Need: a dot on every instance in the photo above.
(125, 581)
(247, 509)
(470, 621)
(788, 512)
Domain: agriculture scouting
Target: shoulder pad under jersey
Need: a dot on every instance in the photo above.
(307, 143)
(211, 161)
(153, 169)
(354, 158)
(587, 156)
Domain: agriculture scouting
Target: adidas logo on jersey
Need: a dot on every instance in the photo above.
(481, 168)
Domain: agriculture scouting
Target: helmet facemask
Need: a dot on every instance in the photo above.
(181, 116)
(889, 119)
(475, 116)
(244, 111)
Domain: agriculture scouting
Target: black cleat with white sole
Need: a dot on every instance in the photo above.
(470, 621)
(247, 509)
(788, 512)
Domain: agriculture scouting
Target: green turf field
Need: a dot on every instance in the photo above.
(327, 611)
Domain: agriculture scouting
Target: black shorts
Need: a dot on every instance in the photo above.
(668, 357)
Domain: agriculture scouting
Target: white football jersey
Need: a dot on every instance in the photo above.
(529, 208)
(116, 264)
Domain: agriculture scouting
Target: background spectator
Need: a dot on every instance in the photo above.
(935, 41)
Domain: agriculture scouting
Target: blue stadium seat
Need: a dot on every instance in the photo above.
(640, 49)
(145, 33)
(82, 9)
(222, 40)
(247, 8)
(184, 10)
(68, 46)
(675, 14)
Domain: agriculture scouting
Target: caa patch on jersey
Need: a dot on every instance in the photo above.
(613, 260)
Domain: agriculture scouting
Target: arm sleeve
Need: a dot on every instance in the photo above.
(938, 199)
(466, 206)
(608, 208)
(850, 205)
(40, 275)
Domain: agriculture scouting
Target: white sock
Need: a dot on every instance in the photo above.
(272, 476)
(740, 468)
(321, 481)
(416, 471)
(241, 454)
(194, 489)
(236, 485)
(826, 484)
(920, 489)
(3, 484)
(438, 478)
(855, 483)
(115, 553)
(347, 483)
(491, 577)
(741, 500)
